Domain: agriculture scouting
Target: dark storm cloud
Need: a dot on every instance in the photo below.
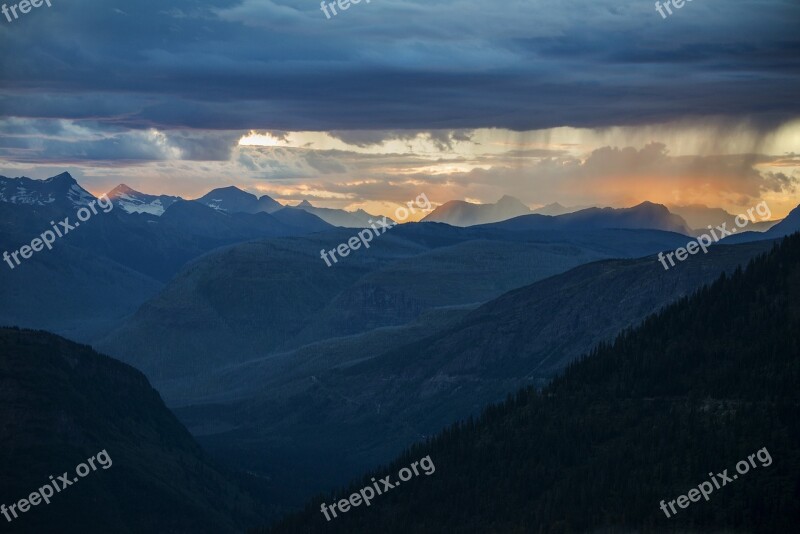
(203, 146)
(365, 138)
(32, 140)
(389, 65)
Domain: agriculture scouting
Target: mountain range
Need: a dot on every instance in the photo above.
(279, 295)
(646, 215)
(233, 200)
(412, 381)
(102, 272)
(699, 217)
(60, 191)
(462, 213)
(276, 362)
(783, 228)
(342, 218)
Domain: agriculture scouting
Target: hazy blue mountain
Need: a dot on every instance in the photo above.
(101, 272)
(159, 246)
(235, 382)
(342, 218)
(196, 219)
(699, 217)
(135, 241)
(234, 200)
(132, 201)
(70, 290)
(462, 213)
(708, 382)
(247, 301)
(642, 216)
(787, 226)
(302, 220)
(555, 209)
(232, 304)
(361, 402)
(62, 403)
(475, 270)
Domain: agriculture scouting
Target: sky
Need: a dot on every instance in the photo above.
(595, 102)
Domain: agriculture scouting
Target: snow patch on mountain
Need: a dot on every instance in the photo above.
(132, 201)
(61, 189)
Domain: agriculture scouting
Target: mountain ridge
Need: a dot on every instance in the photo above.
(231, 199)
(645, 215)
(463, 213)
(61, 190)
(159, 479)
(132, 201)
(695, 387)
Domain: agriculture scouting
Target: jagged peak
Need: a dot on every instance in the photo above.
(508, 198)
(122, 189)
(63, 177)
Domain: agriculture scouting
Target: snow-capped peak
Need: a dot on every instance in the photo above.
(61, 188)
(132, 201)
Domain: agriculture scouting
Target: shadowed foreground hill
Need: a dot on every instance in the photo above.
(695, 389)
(62, 403)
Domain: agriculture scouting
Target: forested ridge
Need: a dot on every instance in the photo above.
(694, 389)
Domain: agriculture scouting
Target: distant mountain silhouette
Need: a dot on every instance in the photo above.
(61, 403)
(642, 216)
(301, 220)
(342, 218)
(699, 217)
(787, 226)
(555, 209)
(461, 213)
(195, 218)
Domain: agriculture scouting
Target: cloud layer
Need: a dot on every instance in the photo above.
(401, 64)
(581, 102)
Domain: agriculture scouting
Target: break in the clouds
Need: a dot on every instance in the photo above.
(718, 163)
